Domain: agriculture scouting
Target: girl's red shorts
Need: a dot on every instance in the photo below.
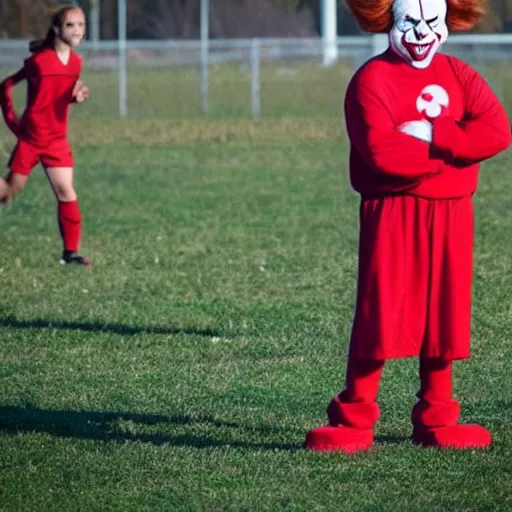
(26, 156)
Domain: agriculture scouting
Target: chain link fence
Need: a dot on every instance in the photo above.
(240, 78)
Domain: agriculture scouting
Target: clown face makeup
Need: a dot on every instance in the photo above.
(419, 29)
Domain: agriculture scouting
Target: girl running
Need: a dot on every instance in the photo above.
(52, 74)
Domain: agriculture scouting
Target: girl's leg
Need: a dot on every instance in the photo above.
(21, 162)
(4, 191)
(12, 186)
(69, 217)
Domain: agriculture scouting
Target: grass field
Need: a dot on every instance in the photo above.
(183, 371)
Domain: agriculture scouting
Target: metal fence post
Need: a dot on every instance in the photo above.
(204, 54)
(123, 88)
(329, 13)
(255, 77)
(94, 18)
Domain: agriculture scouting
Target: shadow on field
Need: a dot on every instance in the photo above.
(120, 427)
(125, 330)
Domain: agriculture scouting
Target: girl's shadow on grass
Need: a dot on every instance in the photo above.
(119, 427)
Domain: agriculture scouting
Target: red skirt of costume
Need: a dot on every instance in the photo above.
(414, 282)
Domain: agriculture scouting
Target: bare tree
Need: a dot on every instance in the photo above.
(228, 18)
(171, 18)
(264, 18)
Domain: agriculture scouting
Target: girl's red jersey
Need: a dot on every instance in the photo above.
(50, 85)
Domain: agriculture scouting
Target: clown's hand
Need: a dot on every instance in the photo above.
(421, 130)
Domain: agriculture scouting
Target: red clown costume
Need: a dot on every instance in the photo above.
(419, 124)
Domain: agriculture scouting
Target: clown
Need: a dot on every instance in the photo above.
(419, 124)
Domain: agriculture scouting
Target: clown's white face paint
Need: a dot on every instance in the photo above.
(419, 29)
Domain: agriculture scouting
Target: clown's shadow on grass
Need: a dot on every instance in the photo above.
(122, 427)
(98, 327)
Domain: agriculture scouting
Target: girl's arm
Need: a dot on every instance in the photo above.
(80, 92)
(10, 117)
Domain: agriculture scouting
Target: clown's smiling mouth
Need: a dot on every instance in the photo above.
(418, 51)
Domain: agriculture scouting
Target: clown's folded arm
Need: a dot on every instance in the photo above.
(378, 142)
(419, 124)
(484, 130)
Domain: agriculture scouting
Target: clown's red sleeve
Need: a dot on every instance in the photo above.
(483, 132)
(373, 134)
(11, 120)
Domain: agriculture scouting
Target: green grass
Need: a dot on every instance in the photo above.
(183, 371)
(292, 89)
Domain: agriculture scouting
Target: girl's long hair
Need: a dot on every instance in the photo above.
(48, 41)
(376, 16)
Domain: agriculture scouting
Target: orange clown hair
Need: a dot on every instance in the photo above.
(377, 16)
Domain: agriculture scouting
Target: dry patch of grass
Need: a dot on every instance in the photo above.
(151, 132)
